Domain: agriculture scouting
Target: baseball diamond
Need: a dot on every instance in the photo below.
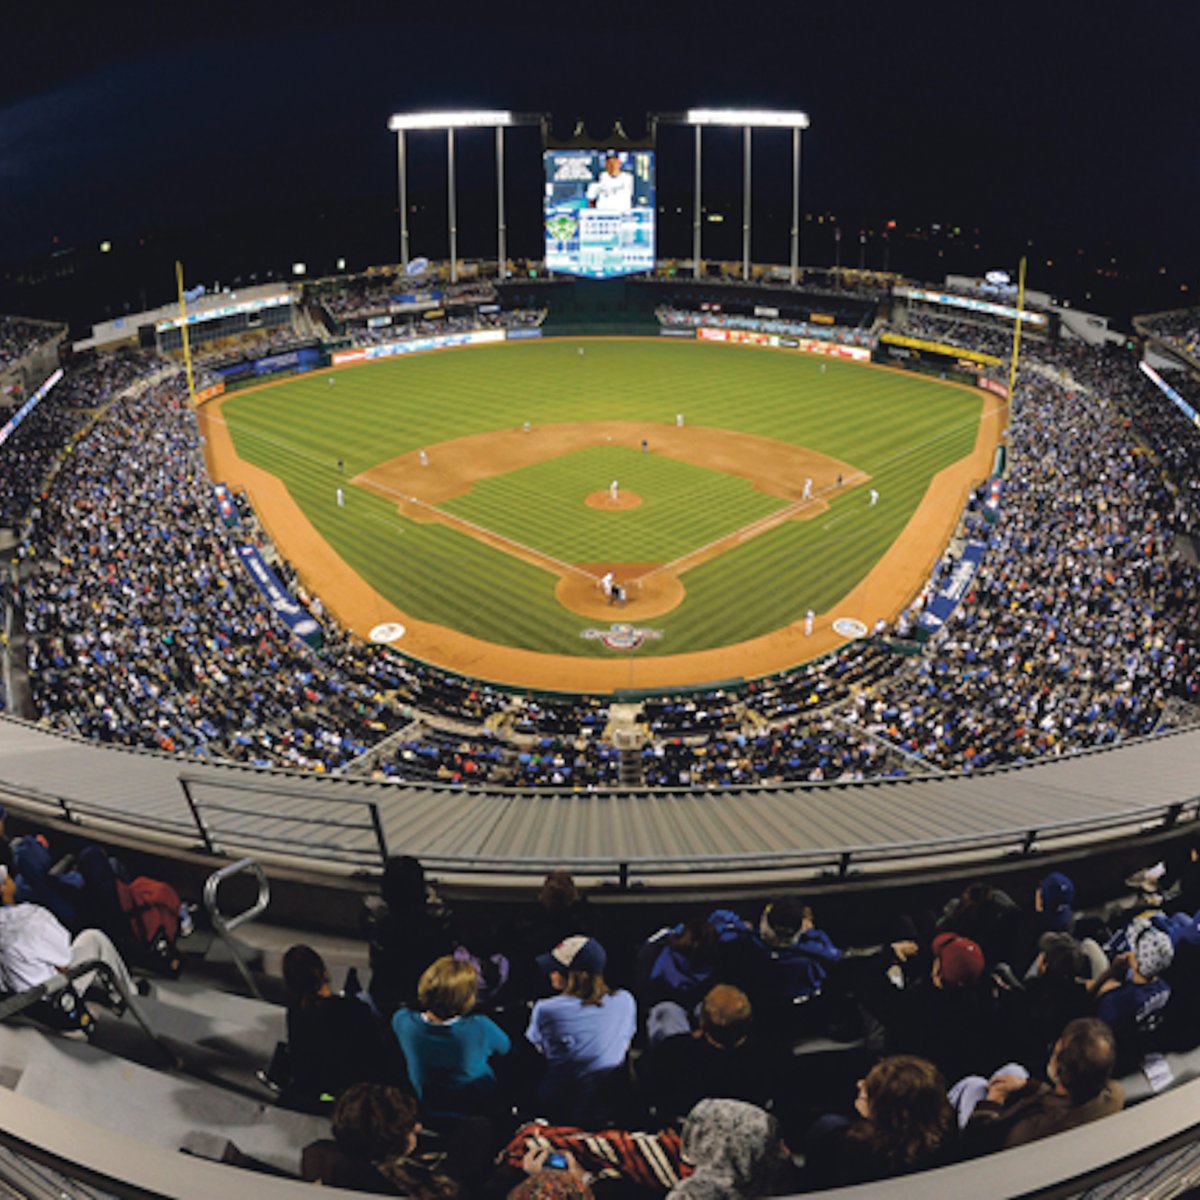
(478, 513)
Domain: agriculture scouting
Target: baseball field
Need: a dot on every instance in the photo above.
(478, 498)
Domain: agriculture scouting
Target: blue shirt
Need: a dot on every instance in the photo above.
(449, 1065)
(581, 1043)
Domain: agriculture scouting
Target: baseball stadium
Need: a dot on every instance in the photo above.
(600, 720)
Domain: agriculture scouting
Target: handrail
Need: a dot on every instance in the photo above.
(225, 926)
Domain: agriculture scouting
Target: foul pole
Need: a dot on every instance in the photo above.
(183, 329)
(1012, 371)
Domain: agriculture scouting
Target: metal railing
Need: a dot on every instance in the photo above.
(223, 925)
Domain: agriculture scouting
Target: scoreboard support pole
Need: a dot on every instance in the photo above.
(403, 198)
(795, 262)
(501, 229)
(747, 120)
(746, 136)
(697, 227)
(451, 214)
(400, 123)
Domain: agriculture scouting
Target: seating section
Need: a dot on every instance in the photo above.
(761, 998)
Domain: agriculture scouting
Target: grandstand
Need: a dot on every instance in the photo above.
(1048, 723)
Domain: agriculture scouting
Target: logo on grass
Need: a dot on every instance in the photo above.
(622, 637)
(389, 631)
(848, 627)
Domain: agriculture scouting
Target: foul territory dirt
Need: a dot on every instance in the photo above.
(651, 588)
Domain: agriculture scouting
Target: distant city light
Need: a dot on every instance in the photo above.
(105, 247)
(341, 264)
(298, 268)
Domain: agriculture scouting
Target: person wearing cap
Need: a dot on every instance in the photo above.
(942, 1015)
(583, 1033)
(613, 190)
(1017, 1109)
(1132, 995)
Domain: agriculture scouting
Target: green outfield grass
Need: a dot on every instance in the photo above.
(901, 429)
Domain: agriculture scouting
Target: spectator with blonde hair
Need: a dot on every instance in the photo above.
(449, 1049)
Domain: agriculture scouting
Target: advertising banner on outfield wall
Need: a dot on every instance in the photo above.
(990, 385)
(523, 333)
(289, 610)
(954, 585)
(751, 337)
(476, 337)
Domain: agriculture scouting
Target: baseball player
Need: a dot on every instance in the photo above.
(874, 497)
(809, 617)
(614, 492)
(424, 459)
(807, 490)
(341, 498)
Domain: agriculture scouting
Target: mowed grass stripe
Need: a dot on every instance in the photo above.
(683, 506)
(892, 425)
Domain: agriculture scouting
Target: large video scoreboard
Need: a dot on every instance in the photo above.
(599, 212)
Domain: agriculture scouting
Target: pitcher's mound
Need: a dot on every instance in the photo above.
(604, 500)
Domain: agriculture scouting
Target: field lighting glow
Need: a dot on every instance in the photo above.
(449, 120)
(759, 117)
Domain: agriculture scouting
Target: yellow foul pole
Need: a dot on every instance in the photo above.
(183, 326)
(1012, 373)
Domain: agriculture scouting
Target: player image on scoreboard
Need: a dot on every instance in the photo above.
(599, 212)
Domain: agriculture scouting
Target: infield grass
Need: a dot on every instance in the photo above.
(900, 428)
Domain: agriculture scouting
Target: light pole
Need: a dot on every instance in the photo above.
(747, 120)
(401, 123)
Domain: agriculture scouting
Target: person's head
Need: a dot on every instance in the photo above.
(576, 967)
(696, 940)
(726, 1017)
(558, 892)
(1055, 897)
(403, 883)
(375, 1121)
(612, 163)
(903, 1103)
(1153, 951)
(1061, 957)
(735, 1142)
(305, 974)
(448, 987)
(957, 961)
(784, 920)
(8, 878)
(1081, 1063)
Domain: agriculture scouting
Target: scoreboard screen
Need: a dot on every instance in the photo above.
(599, 212)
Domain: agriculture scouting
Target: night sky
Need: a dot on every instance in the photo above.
(229, 134)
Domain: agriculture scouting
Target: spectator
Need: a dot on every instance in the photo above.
(407, 927)
(735, 1152)
(374, 1148)
(584, 1033)
(723, 1056)
(450, 1050)
(333, 1041)
(1132, 995)
(904, 1124)
(1018, 1109)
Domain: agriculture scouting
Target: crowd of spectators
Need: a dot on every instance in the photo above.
(1180, 329)
(45, 435)
(403, 327)
(679, 318)
(734, 1055)
(19, 336)
(975, 335)
(1078, 630)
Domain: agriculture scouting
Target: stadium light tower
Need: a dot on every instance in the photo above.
(401, 123)
(747, 119)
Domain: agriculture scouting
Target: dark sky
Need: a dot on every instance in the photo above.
(1059, 122)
